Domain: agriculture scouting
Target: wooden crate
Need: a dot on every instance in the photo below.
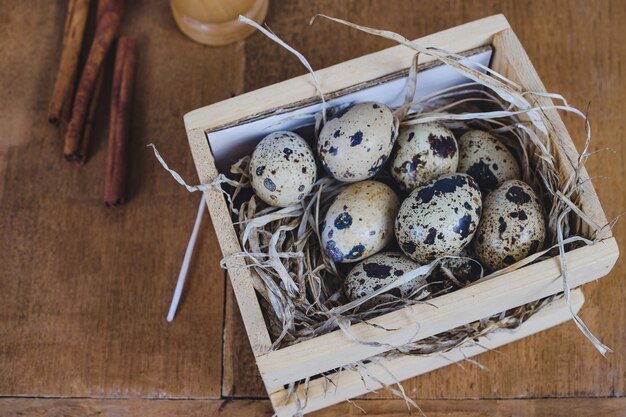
(322, 354)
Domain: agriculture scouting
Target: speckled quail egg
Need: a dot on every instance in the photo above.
(487, 160)
(379, 270)
(461, 271)
(512, 226)
(282, 169)
(423, 152)
(355, 143)
(359, 222)
(439, 218)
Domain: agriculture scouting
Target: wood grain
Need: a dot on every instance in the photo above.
(340, 386)
(333, 350)
(84, 289)
(254, 323)
(300, 91)
(570, 407)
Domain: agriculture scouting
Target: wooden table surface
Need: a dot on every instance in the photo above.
(84, 290)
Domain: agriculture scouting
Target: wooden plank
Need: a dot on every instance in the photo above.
(17, 407)
(84, 290)
(229, 243)
(530, 283)
(572, 407)
(578, 51)
(321, 393)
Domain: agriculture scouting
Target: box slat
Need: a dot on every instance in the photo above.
(332, 350)
(229, 243)
(300, 90)
(322, 394)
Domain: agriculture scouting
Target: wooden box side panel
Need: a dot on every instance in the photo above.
(349, 384)
(333, 350)
(300, 90)
(510, 59)
(240, 275)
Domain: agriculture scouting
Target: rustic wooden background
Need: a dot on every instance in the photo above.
(84, 289)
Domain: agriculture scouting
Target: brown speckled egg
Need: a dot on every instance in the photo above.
(512, 226)
(355, 143)
(487, 160)
(359, 222)
(423, 152)
(439, 218)
(282, 169)
(379, 270)
(460, 271)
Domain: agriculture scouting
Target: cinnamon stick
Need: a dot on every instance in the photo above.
(61, 101)
(106, 28)
(95, 98)
(119, 121)
(90, 120)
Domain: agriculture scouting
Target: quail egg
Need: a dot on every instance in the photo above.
(439, 218)
(512, 226)
(460, 271)
(486, 159)
(423, 152)
(282, 169)
(359, 222)
(379, 270)
(356, 142)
